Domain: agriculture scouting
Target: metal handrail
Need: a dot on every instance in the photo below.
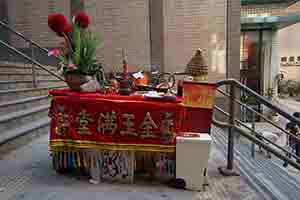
(232, 127)
(266, 139)
(260, 115)
(257, 141)
(3, 24)
(259, 98)
(30, 59)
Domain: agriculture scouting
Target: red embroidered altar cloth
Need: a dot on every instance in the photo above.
(93, 120)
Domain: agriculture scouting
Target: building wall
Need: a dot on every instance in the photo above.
(3, 11)
(277, 9)
(30, 18)
(217, 40)
(294, 8)
(178, 28)
(156, 33)
(289, 47)
(234, 32)
(187, 28)
(264, 9)
(122, 24)
(184, 32)
(275, 59)
(3, 17)
(289, 41)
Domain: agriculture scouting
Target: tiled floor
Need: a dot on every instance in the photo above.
(27, 174)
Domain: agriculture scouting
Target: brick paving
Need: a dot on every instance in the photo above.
(26, 174)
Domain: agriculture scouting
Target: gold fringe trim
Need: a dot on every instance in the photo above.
(65, 145)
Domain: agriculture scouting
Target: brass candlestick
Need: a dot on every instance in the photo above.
(125, 86)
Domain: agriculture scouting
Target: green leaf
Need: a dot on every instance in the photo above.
(77, 44)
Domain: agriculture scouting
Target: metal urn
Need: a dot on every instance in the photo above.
(197, 67)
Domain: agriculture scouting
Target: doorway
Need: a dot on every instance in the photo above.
(256, 48)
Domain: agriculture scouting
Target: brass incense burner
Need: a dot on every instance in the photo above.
(197, 68)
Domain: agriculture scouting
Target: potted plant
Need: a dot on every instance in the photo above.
(77, 53)
(270, 95)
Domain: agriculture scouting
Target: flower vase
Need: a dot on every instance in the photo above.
(74, 81)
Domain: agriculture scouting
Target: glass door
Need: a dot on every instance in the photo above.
(251, 67)
(251, 52)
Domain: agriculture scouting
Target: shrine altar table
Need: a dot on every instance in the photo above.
(92, 120)
(91, 130)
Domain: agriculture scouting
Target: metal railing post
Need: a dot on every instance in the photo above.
(253, 128)
(34, 81)
(230, 153)
(229, 170)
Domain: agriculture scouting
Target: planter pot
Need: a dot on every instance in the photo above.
(74, 81)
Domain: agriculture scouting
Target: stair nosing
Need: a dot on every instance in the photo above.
(29, 81)
(24, 100)
(283, 193)
(23, 74)
(22, 65)
(10, 135)
(23, 113)
(28, 89)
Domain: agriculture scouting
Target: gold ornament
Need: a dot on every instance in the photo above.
(197, 67)
(129, 125)
(167, 128)
(62, 127)
(83, 119)
(148, 125)
(107, 123)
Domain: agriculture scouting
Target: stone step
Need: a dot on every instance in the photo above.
(22, 117)
(19, 84)
(51, 83)
(24, 69)
(16, 67)
(23, 104)
(21, 135)
(263, 174)
(6, 76)
(11, 95)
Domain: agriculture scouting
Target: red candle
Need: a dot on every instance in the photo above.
(125, 65)
(125, 70)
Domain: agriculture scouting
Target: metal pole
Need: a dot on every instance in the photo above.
(34, 82)
(230, 153)
(253, 128)
(227, 39)
(229, 170)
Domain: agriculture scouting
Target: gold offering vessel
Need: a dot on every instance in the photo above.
(197, 68)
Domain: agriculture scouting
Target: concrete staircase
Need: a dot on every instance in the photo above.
(23, 108)
(267, 176)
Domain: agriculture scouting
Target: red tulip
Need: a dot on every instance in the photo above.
(82, 19)
(59, 24)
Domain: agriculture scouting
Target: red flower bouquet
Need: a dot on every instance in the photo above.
(78, 53)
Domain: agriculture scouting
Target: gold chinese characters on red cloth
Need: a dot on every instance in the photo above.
(123, 120)
(93, 120)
